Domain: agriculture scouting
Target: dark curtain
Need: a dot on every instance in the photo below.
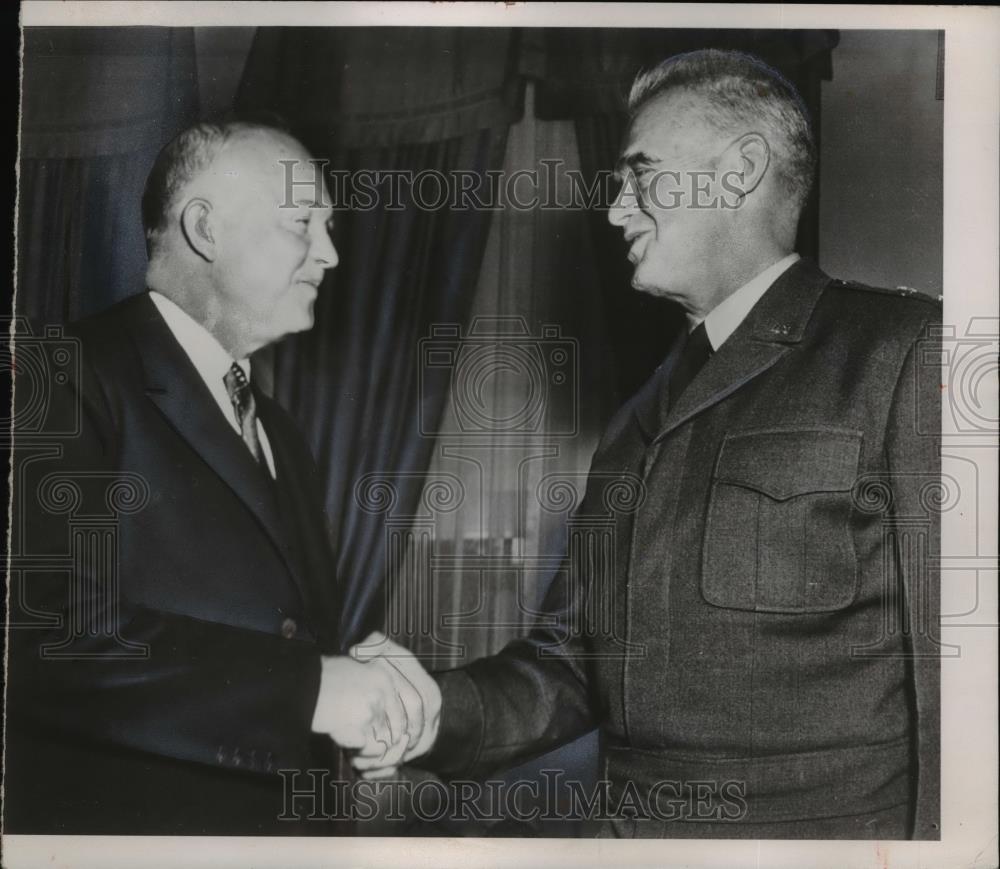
(586, 77)
(403, 100)
(98, 103)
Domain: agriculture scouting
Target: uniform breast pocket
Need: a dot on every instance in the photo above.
(778, 536)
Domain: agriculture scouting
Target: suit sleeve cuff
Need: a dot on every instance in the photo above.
(460, 735)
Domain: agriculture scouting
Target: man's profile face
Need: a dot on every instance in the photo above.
(669, 206)
(270, 259)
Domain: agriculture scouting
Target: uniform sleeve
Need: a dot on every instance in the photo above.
(913, 458)
(529, 698)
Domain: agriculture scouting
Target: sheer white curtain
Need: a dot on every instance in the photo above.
(529, 396)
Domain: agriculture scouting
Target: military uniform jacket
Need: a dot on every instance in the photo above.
(764, 610)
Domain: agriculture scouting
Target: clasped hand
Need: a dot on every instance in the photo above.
(379, 701)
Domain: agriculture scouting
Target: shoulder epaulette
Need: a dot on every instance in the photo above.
(898, 292)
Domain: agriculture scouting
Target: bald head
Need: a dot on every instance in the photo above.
(190, 158)
(237, 220)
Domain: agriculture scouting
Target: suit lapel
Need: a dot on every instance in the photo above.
(317, 585)
(175, 387)
(769, 332)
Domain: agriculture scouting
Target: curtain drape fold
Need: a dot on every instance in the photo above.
(392, 104)
(98, 104)
(369, 87)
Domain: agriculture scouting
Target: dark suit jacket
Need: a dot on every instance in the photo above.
(759, 606)
(187, 596)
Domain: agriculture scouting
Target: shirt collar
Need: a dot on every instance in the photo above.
(201, 346)
(725, 317)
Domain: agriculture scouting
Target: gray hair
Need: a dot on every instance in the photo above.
(182, 159)
(740, 91)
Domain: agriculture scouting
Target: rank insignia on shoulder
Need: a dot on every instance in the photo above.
(900, 291)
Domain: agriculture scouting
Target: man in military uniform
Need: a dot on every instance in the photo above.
(769, 636)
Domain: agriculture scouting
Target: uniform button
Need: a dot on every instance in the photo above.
(289, 628)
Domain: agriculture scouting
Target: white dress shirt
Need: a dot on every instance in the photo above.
(212, 363)
(723, 319)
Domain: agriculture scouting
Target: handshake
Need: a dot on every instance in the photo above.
(379, 701)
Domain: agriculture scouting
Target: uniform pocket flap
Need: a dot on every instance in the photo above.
(783, 463)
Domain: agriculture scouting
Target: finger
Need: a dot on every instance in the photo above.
(411, 699)
(365, 762)
(395, 712)
(392, 758)
(407, 664)
(379, 739)
(426, 741)
(371, 748)
(430, 694)
(383, 773)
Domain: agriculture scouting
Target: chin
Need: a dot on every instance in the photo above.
(650, 284)
(648, 288)
(300, 317)
(300, 325)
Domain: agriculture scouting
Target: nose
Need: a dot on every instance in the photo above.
(323, 250)
(624, 205)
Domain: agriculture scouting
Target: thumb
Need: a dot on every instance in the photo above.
(370, 647)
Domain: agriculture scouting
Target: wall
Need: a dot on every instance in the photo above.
(881, 172)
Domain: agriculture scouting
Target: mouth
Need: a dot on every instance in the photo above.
(635, 246)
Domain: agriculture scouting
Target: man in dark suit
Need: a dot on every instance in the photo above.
(188, 653)
(767, 666)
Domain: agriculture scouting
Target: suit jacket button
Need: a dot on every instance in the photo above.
(289, 628)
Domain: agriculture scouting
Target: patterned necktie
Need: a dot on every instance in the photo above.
(695, 353)
(241, 395)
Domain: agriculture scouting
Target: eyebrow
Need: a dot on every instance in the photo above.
(312, 203)
(638, 160)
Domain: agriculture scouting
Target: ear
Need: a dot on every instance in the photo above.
(196, 222)
(750, 157)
